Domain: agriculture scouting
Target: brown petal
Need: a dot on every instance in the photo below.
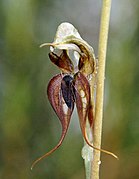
(86, 64)
(60, 107)
(82, 95)
(62, 61)
(90, 115)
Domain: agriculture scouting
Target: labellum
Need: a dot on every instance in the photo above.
(68, 91)
(70, 87)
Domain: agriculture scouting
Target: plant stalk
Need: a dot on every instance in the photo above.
(102, 49)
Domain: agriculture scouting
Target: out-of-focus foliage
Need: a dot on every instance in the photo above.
(28, 125)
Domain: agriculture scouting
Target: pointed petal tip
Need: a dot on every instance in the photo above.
(54, 96)
(99, 149)
(50, 152)
(46, 44)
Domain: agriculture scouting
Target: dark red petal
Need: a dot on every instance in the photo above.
(91, 115)
(82, 95)
(62, 61)
(60, 107)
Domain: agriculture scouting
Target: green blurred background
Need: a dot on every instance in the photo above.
(28, 125)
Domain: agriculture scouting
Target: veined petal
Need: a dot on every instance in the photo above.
(57, 101)
(62, 110)
(82, 95)
(62, 61)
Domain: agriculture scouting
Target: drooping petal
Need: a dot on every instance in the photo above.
(62, 61)
(82, 95)
(60, 107)
(57, 101)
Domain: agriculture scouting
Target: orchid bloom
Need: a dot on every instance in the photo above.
(76, 61)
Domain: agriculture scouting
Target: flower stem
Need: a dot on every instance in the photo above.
(103, 37)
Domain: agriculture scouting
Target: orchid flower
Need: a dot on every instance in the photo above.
(76, 61)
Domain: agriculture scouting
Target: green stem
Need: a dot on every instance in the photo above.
(104, 27)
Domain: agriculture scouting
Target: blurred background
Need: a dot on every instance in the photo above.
(28, 125)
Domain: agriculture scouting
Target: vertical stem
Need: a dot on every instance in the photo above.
(104, 27)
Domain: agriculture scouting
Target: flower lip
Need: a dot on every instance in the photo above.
(68, 90)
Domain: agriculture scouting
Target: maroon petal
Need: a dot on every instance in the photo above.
(62, 61)
(82, 95)
(91, 115)
(60, 107)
